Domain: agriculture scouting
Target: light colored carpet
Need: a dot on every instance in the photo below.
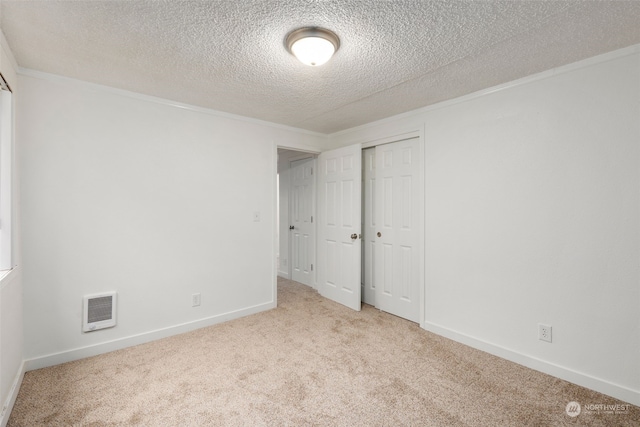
(308, 362)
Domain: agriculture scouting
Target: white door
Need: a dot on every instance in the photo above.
(339, 218)
(368, 225)
(301, 217)
(398, 228)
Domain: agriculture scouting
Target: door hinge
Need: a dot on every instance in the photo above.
(311, 219)
(311, 171)
(311, 267)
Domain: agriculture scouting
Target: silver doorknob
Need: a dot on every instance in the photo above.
(379, 234)
(354, 236)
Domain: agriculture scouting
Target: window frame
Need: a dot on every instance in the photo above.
(6, 175)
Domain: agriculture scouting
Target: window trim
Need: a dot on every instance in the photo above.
(6, 176)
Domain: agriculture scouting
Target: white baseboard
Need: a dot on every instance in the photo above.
(602, 386)
(106, 347)
(11, 398)
(283, 274)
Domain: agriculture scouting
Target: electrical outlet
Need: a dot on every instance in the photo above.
(195, 300)
(544, 332)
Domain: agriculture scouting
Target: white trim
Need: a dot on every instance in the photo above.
(303, 148)
(11, 398)
(301, 156)
(163, 101)
(275, 250)
(6, 179)
(599, 59)
(606, 387)
(106, 347)
(423, 232)
(276, 219)
(391, 139)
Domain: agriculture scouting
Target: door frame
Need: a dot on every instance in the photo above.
(412, 132)
(397, 137)
(305, 151)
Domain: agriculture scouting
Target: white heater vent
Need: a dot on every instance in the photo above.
(99, 311)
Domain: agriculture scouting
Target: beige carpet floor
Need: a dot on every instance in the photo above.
(308, 362)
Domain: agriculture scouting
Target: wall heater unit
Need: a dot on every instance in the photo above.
(99, 311)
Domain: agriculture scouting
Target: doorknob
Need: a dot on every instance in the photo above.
(291, 227)
(379, 234)
(354, 236)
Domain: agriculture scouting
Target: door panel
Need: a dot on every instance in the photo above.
(397, 263)
(301, 214)
(369, 225)
(339, 217)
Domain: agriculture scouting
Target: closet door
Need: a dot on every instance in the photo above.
(397, 218)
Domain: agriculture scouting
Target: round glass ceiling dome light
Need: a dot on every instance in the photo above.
(312, 46)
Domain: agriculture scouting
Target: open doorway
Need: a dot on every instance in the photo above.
(296, 204)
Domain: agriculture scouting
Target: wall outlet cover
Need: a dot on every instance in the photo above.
(544, 332)
(195, 300)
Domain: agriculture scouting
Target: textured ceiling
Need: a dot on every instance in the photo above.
(229, 55)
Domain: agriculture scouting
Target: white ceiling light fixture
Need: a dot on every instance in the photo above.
(311, 45)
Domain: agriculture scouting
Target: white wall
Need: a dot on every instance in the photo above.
(11, 331)
(127, 193)
(532, 216)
